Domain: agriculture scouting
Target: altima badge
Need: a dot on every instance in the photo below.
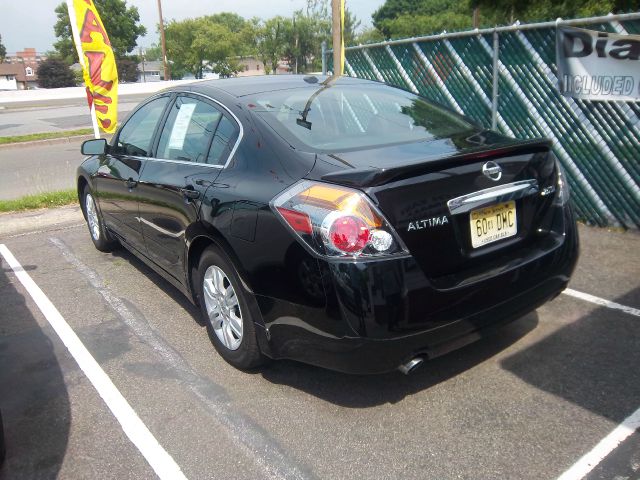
(427, 223)
(492, 170)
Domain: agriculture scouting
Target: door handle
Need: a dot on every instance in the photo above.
(131, 183)
(190, 193)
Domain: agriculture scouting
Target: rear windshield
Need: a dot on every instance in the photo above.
(344, 117)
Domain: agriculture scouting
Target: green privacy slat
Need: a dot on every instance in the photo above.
(607, 181)
(600, 140)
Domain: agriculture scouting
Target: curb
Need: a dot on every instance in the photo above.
(43, 219)
(49, 141)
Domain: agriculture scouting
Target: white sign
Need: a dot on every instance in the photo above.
(598, 65)
(181, 125)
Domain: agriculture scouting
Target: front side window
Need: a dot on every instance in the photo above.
(189, 129)
(136, 136)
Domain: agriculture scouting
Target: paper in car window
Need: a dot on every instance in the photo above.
(181, 125)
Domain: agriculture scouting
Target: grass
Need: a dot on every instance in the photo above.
(40, 200)
(45, 136)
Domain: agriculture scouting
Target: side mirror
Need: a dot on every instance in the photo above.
(96, 146)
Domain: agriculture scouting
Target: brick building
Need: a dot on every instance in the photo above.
(29, 60)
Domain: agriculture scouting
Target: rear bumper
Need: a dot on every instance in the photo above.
(389, 311)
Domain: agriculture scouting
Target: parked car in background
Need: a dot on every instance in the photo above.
(336, 221)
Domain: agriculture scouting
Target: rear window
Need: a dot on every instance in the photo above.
(343, 117)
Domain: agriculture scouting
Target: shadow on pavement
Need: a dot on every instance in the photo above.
(175, 294)
(362, 391)
(593, 362)
(358, 391)
(33, 396)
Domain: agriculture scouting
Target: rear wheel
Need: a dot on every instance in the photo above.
(99, 234)
(225, 310)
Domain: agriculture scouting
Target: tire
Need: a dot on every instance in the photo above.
(225, 310)
(100, 236)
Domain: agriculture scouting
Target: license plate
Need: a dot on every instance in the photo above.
(493, 223)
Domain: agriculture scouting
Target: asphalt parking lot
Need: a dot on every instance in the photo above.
(526, 403)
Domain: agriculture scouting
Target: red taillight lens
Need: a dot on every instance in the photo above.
(336, 221)
(349, 234)
(299, 221)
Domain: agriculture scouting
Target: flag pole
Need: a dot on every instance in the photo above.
(76, 41)
(336, 27)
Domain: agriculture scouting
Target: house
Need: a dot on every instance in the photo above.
(29, 60)
(150, 71)
(14, 77)
(250, 66)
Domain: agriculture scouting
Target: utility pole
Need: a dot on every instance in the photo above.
(144, 74)
(167, 74)
(336, 27)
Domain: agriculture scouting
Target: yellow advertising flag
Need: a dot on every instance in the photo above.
(98, 63)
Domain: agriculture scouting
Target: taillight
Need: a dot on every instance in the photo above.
(336, 221)
(562, 197)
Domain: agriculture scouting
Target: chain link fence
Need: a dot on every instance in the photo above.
(506, 78)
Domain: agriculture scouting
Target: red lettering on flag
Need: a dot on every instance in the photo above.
(95, 70)
(89, 25)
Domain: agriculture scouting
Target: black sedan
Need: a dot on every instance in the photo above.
(335, 221)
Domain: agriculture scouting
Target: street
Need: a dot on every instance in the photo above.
(38, 168)
(526, 403)
(55, 115)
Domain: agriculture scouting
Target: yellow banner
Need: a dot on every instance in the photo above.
(97, 60)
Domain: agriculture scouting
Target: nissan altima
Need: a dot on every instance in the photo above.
(335, 221)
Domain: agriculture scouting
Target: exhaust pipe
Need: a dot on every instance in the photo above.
(411, 365)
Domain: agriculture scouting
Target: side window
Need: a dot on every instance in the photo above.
(135, 137)
(223, 141)
(188, 131)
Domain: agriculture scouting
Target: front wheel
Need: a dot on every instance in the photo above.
(225, 310)
(99, 234)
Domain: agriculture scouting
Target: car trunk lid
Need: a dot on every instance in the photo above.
(431, 191)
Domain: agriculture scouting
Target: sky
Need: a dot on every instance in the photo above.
(33, 27)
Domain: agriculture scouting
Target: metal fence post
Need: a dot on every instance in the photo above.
(496, 75)
(324, 57)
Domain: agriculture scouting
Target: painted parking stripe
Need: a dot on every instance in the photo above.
(608, 444)
(601, 301)
(157, 457)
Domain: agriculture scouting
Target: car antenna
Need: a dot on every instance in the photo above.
(302, 121)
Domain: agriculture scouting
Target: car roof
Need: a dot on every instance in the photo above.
(242, 86)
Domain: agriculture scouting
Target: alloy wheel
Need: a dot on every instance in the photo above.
(92, 217)
(223, 307)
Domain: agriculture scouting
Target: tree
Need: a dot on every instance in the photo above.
(54, 73)
(368, 35)
(153, 53)
(121, 22)
(271, 43)
(508, 11)
(407, 18)
(127, 69)
(3, 50)
(194, 44)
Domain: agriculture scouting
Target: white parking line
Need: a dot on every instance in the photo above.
(609, 443)
(157, 457)
(630, 424)
(601, 301)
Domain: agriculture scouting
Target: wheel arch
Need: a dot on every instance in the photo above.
(199, 243)
(213, 238)
(82, 183)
